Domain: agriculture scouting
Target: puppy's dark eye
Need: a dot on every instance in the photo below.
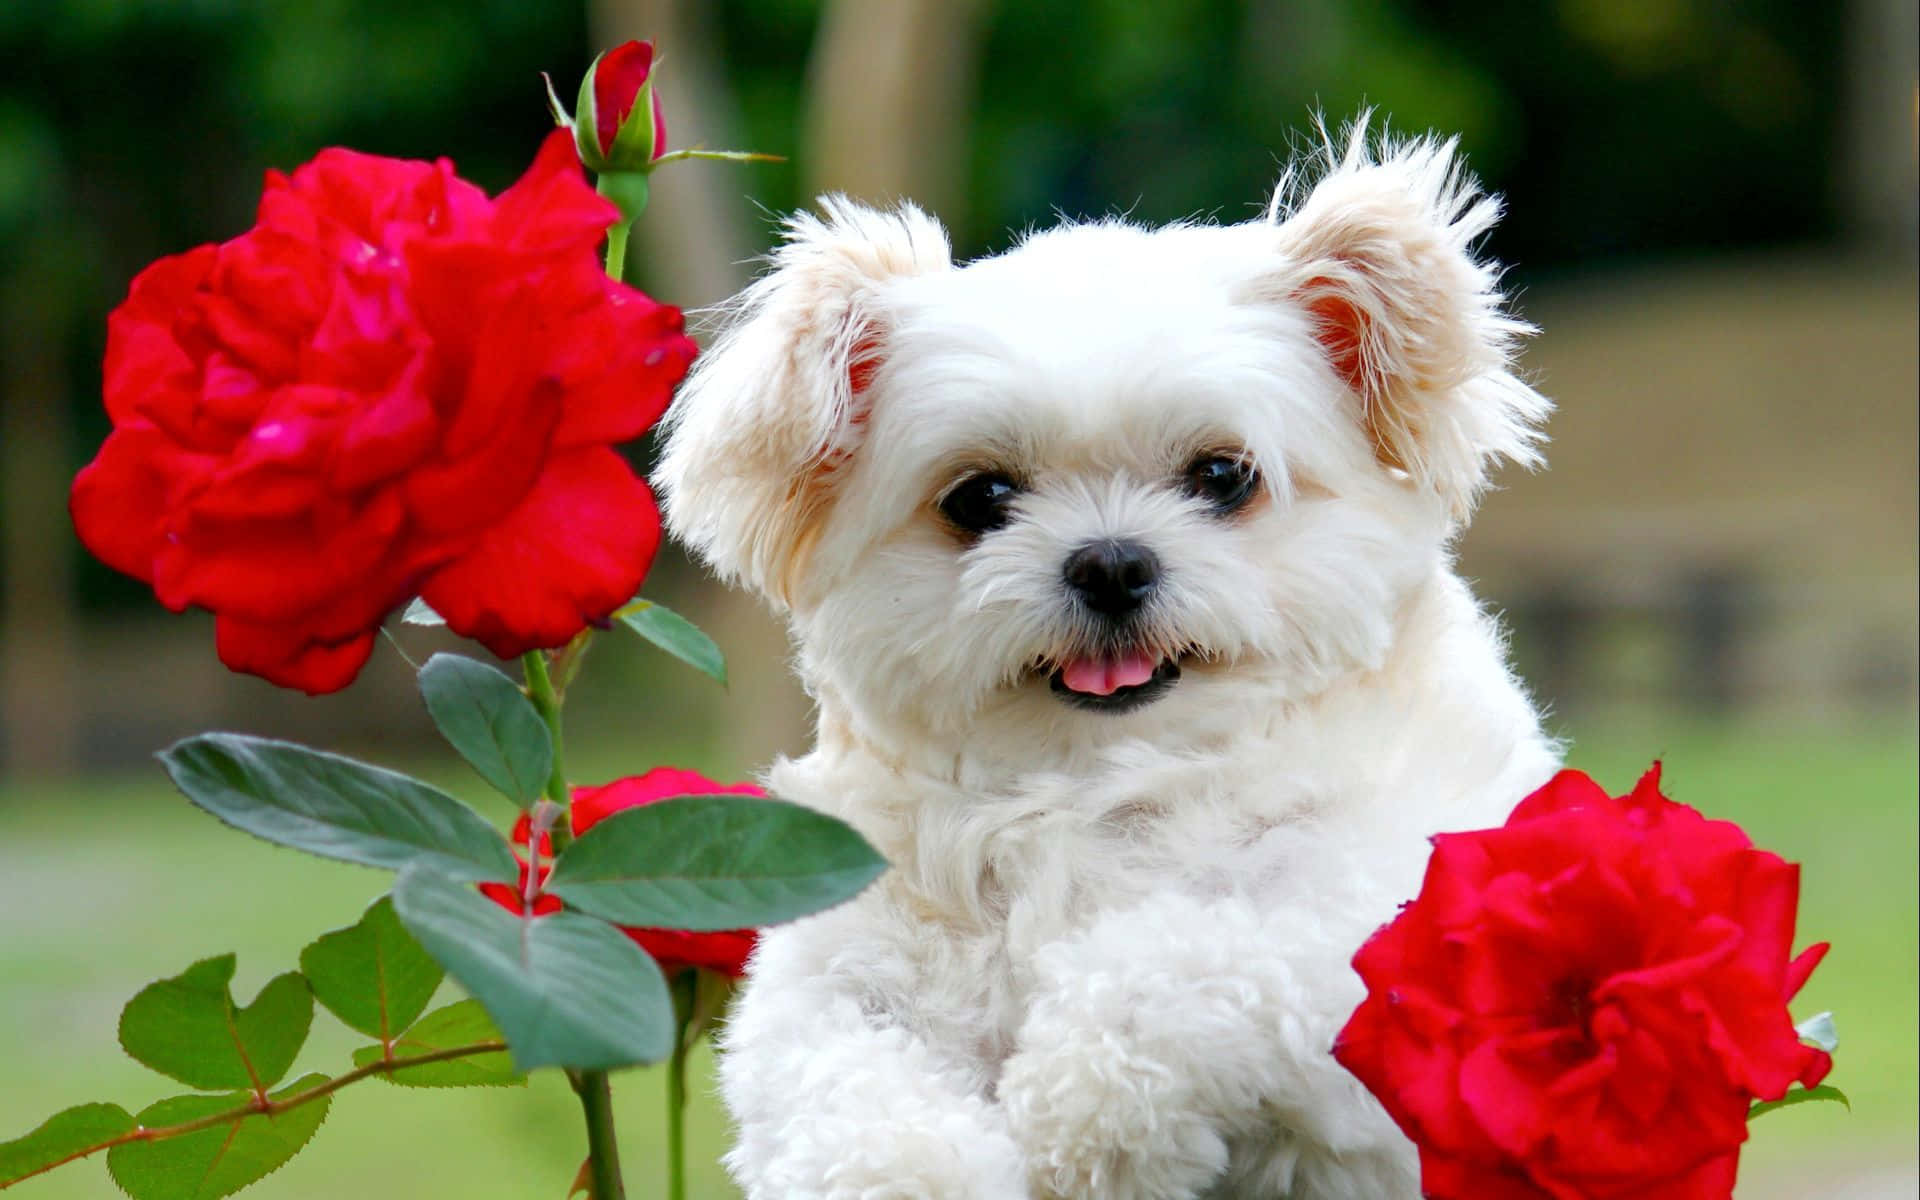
(980, 503)
(1226, 483)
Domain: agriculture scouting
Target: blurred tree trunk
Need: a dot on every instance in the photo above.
(38, 716)
(1881, 170)
(694, 247)
(890, 92)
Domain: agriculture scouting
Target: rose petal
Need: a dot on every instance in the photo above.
(338, 559)
(635, 352)
(1800, 968)
(593, 804)
(1567, 790)
(1448, 1177)
(552, 208)
(573, 551)
(284, 656)
(123, 502)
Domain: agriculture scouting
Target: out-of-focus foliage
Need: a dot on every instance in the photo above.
(1616, 126)
(130, 129)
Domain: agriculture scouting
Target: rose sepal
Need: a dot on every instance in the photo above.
(561, 116)
(586, 132)
(638, 139)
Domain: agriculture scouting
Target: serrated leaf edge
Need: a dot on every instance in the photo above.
(326, 1086)
(260, 837)
(130, 1134)
(226, 988)
(326, 1106)
(387, 1034)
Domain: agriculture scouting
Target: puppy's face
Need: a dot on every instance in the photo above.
(1095, 475)
(1083, 489)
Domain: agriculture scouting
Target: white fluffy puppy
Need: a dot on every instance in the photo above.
(1118, 567)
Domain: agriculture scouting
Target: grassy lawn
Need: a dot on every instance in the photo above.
(112, 882)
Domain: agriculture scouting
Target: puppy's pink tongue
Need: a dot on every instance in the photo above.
(1105, 676)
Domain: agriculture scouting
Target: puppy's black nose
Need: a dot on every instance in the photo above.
(1113, 577)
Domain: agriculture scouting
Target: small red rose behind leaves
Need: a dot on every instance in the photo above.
(724, 951)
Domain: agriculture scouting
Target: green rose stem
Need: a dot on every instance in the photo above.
(617, 249)
(260, 1105)
(684, 988)
(546, 702)
(603, 1156)
(593, 1087)
(628, 191)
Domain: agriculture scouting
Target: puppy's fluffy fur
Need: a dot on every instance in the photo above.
(1112, 952)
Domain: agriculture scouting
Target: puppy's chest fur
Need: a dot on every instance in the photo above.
(984, 883)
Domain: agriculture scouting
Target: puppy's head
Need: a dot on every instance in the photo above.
(1075, 488)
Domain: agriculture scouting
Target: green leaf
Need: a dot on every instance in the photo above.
(418, 612)
(676, 635)
(1805, 1095)
(188, 1027)
(462, 1024)
(713, 862)
(1818, 1032)
(372, 975)
(62, 1136)
(566, 990)
(490, 721)
(221, 1159)
(335, 807)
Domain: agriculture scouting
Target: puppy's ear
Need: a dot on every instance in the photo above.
(781, 399)
(1379, 254)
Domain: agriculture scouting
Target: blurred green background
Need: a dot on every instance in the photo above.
(1712, 215)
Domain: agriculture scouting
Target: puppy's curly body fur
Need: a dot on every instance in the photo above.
(1112, 952)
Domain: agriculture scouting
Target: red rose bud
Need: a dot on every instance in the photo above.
(722, 951)
(617, 124)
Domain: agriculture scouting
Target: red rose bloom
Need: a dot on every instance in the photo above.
(390, 386)
(1583, 1003)
(675, 950)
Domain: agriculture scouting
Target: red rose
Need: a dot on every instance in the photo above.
(618, 125)
(390, 386)
(725, 951)
(1583, 1003)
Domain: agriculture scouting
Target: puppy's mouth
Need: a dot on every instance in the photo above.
(1114, 683)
